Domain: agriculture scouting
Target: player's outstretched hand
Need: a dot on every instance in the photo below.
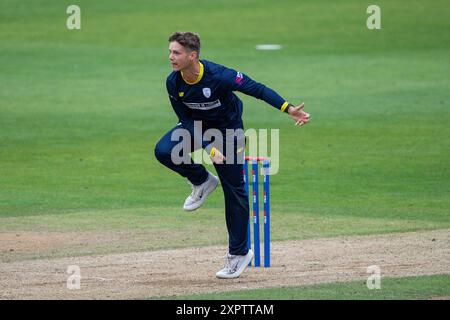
(298, 115)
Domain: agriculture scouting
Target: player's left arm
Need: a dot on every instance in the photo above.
(237, 81)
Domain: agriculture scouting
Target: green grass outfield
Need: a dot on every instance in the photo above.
(408, 288)
(81, 111)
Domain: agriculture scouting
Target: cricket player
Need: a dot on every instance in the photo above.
(201, 92)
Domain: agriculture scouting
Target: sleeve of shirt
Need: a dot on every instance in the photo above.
(237, 81)
(184, 115)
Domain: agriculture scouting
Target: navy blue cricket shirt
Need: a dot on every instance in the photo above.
(210, 98)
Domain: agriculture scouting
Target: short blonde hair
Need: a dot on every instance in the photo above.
(188, 40)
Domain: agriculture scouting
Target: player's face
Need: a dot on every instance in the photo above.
(179, 57)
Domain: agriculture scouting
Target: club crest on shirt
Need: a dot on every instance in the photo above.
(207, 92)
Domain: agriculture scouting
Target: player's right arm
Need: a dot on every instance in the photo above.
(183, 113)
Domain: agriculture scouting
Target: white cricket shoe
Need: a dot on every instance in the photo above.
(235, 265)
(199, 193)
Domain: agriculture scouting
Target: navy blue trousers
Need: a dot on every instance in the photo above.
(231, 178)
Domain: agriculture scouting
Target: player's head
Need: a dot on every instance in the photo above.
(184, 49)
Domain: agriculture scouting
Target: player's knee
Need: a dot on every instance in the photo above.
(162, 153)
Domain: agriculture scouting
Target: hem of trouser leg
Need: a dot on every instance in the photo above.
(203, 181)
(239, 254)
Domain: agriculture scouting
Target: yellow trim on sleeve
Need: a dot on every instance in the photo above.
(284, 106)
(200, 75)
